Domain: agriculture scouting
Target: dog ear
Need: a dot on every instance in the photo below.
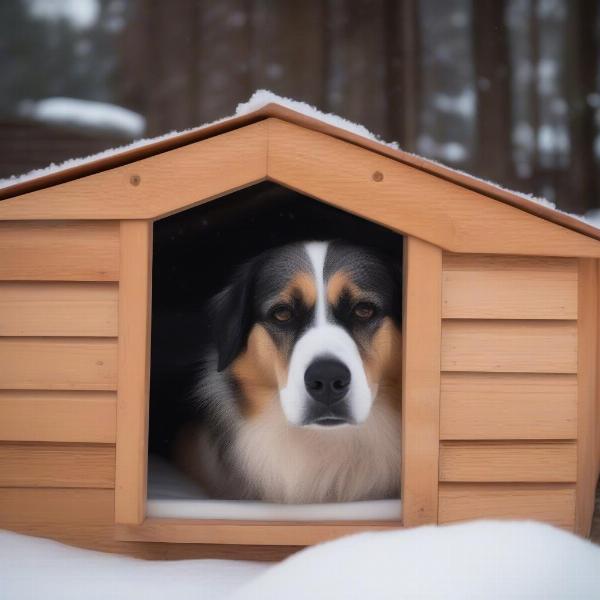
(231, 313)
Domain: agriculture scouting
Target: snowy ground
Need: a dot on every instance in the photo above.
(480, 560)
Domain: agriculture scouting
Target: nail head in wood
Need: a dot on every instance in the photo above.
(377, 176)
(135, 180)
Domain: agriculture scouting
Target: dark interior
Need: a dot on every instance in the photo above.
(195, 252)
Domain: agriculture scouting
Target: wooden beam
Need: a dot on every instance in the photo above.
(133, 371)
(587, 341)
(294, 533)
(411, 201)
(153, 187)
(421, 381)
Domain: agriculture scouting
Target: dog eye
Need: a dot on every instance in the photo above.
(282, 314)
(363, 311)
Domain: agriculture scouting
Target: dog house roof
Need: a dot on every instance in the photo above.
(264, 105)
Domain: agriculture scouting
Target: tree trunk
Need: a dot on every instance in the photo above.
(492, 80)
(579, 193)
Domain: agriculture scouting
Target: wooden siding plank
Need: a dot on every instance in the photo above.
(480, 406)
(409, 200)
(58, 363)
(164, 183)
(509, 287)
(85, 517)
(509, 346)
(58, 309)
(587, 418)
(421, 382)
(57, 465)
(134, 371)
(52, 416)
(508, 461)
(549, 503)
(59, 251)
(24, 507)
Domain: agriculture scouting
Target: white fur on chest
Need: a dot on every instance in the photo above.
(299, 464)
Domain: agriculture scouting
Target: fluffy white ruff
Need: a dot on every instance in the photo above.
(299, 464)
(484, 560)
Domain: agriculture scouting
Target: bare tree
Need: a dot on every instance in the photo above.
(492, 78)
(579, 191)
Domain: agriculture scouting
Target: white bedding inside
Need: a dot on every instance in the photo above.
(171, 494)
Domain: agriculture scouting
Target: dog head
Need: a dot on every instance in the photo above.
(314, 326)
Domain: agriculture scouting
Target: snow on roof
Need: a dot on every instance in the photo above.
(259, 100)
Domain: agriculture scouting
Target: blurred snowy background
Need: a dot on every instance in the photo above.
(508, 90)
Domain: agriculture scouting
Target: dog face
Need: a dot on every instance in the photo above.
(314, 326)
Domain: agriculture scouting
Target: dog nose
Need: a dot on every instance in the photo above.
(327, 380)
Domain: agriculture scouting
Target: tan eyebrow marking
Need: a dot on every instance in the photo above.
(302, 284)
(336, 285)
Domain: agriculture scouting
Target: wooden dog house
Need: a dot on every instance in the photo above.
(500, 397)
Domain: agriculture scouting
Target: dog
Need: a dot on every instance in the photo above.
(299, 391)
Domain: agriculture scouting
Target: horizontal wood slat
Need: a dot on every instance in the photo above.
(550, 503)
(508, 461)
(489, 287)
(246, 532)
(24, 507)
(58, 364)
(58, 309)
(57, 465)
(58, 416)
(509, 346)
(59, 251)
(480, 406)
(85, 517)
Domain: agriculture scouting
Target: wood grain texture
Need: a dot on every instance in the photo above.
(508, 461)
(509, 287)
(246, 532)
(597, 404)
(58, 363)
(497, 406)
(168, 182)
(85, 517)
(134, 371)
(550, 503)
(587, 417)
(509, 346)
(59, 251)
(52, 416)
(273, 110)
(57, 465)
(411, 201)
(421, 382)
(58, 309)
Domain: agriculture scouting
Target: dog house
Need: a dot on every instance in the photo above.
(500, 398)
